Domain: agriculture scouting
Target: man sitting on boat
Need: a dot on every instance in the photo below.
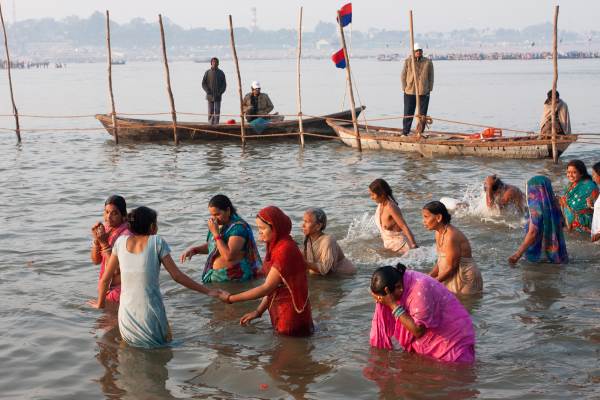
(257, 104)
(501, 195)
(561, 115)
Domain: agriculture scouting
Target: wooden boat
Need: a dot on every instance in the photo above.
(433, 144)
(144, 130)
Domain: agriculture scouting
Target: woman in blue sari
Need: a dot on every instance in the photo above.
(575, 203)
(544, 239)
(230, 245)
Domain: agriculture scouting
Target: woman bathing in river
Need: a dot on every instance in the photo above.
(394, 231)
(421, 314)
(285, 290)
(580, 195)
(322, 253)
(230, 245)
(104, 237)
(455, 267)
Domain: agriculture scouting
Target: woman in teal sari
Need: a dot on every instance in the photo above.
(544, 239)
(581, 192)
(230, 245)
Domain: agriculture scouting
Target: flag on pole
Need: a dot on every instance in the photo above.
(346, 14)
(339, 59)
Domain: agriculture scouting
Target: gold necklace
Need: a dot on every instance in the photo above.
(443, 237)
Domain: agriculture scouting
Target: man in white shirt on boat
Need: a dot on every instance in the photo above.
(563, 127)
(424, 72)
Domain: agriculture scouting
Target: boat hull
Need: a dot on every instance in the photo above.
(143, 130)
(380, 138)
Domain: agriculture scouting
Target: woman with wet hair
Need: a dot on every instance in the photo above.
(421, 315)
(454, 267)
(394, 231)
(580, 195)
(142, 317)
(104, 235)
(230, 245)
(322, 253)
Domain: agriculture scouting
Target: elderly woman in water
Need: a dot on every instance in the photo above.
(394, 231)
(455, 267)
(421, 315)
(104, 236)
(230, 245)
(321, 252)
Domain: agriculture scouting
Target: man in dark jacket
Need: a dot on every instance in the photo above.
(214, 85)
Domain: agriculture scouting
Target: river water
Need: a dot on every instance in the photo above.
(538, 326)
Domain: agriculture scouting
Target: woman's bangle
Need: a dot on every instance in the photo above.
(107, 248)
(218, 237)
(228, 299)
(398, 311)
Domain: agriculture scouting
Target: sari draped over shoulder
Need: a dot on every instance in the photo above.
(392, 240)
(577, 213)
(289, 305)
(114, 290)
(449, 334)
(545, 215)
(248, 266)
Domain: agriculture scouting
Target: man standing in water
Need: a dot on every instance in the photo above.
(424, 71)
(214, 85)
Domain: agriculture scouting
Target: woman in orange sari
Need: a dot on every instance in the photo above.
(285, 290)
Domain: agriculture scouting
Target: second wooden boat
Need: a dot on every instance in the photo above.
(433, 144)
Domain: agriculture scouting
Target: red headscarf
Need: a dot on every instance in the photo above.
(283, 254)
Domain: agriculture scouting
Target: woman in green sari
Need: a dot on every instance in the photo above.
(581, 192)
(230, 245)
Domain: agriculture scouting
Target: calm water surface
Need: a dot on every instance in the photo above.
(538, 329)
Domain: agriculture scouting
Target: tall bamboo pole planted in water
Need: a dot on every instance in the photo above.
(300, 124)
(12, 96)
(554, 80)
(110, 88)
(168, 76)
(239, 80)
(349, 80)
(414, 70)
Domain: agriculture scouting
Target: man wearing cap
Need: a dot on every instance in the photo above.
(424, 71)
(257, 104)
(214, 85)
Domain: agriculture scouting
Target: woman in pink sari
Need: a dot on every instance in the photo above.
(421, 315)
(104, 236)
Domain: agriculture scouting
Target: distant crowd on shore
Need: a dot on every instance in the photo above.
(30, 64)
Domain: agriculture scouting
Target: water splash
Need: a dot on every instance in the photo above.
(362, 228)
(421, 258)
(473, 204)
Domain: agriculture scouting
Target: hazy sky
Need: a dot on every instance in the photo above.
(429, 15)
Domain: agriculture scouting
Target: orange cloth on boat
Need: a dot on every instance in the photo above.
(392, 240)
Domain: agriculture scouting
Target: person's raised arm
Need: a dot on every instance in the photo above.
(184, 280)
(399, 220)
(401, 315)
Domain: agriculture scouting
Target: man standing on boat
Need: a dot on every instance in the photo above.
(257, 104)
(561, 115)
(214, 85)
(424, 71)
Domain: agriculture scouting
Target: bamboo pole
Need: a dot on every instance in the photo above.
(239, 80)
(12, 96)
(554, 80)
(349, 80)
(414, 70)
(300, 123)
(110, 87)
(168, 77)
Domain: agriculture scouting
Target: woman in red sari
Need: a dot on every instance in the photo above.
(285, 290)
